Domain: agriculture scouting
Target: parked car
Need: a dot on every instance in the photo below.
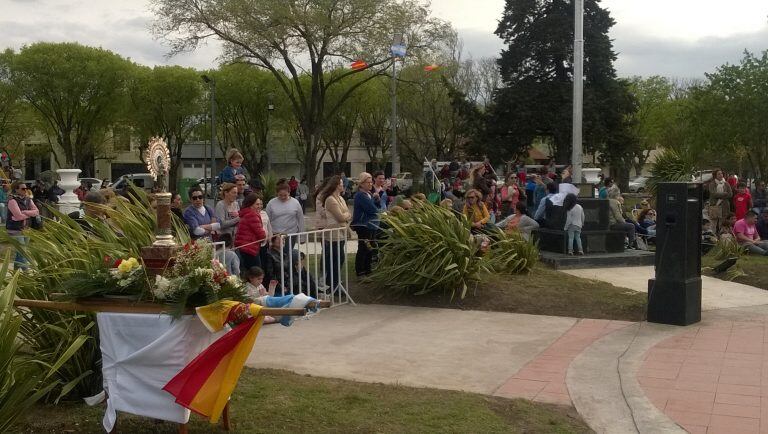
(404, 180)
(95, 182)
(703, 176)
(638, 185)
(208, 185)
(141, 180)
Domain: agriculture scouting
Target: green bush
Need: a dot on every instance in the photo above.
(430, 248)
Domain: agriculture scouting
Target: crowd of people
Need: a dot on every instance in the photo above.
(261, 238)
(734, 213)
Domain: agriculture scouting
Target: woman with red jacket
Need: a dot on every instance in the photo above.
(250, 232)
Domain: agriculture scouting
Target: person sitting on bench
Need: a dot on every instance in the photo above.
(616, 218)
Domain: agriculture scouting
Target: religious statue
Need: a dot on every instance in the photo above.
(158, 163)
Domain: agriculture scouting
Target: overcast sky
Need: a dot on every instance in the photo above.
(676, 38)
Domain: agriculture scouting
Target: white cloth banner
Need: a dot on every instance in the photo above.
(140, 354)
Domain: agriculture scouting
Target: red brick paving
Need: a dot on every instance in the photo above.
(712, 378)
(543, 378)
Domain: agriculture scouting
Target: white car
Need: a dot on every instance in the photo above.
(208, 185)
(404, 180)
(95, 182)
(638, 185)
(141, 180)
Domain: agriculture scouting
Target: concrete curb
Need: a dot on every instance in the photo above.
(604, 374)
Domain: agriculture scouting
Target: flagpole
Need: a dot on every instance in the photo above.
(578, 89)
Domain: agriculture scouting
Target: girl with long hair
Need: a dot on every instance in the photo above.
(574, 221)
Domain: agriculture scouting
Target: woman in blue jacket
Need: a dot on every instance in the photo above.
(365, 221)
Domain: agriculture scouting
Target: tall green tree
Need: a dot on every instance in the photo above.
(537, 76)
(290, 37)
(243, 96)
(76, 91)
(730, 112)
(375, 121)
(15, 120)
(167, 101)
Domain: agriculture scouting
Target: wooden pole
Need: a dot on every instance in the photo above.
(106, 305)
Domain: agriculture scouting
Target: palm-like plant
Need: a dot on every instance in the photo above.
(63, 252)
(671, 165)
(426, 249)
(26, 378)
(268, 185)
(430, 248)
(511, 253)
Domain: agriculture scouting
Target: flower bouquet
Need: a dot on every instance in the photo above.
(194, 280)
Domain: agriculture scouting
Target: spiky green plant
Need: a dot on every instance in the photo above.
(64, 251)
(671, 165)
(511, 253)
(427, 249)
(726, 249)
(268, 185)
(26, 378)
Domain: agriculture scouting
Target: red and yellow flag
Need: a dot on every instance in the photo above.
(205, 384)
(359, 64)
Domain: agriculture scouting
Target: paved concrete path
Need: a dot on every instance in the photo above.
(716, 293)
(443, 348)
(622, 377)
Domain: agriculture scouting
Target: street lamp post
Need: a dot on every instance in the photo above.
(578, 89)
(398, 51)
(270, 109)
(212, 83)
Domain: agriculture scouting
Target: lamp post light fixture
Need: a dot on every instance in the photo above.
(211, 81)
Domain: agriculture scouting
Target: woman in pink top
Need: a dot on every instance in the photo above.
(21, 209)
(510, 195)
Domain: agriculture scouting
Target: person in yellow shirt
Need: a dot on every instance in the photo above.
(475, 210)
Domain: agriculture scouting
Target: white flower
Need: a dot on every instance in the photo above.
(233, 280)
(162, 288)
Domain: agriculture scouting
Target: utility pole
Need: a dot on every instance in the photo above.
(578, 89)
(212, 83)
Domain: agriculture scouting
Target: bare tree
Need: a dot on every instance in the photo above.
(299, 41)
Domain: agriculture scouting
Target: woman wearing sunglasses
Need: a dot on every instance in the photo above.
(475, 210)
(21, 209)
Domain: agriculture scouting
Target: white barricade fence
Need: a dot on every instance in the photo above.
(315, 263)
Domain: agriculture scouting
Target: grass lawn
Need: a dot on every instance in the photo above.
(271, 401)
(756, 268)
(543, 292)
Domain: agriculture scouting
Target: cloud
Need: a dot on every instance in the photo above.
(645, 55)
(479, 44)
